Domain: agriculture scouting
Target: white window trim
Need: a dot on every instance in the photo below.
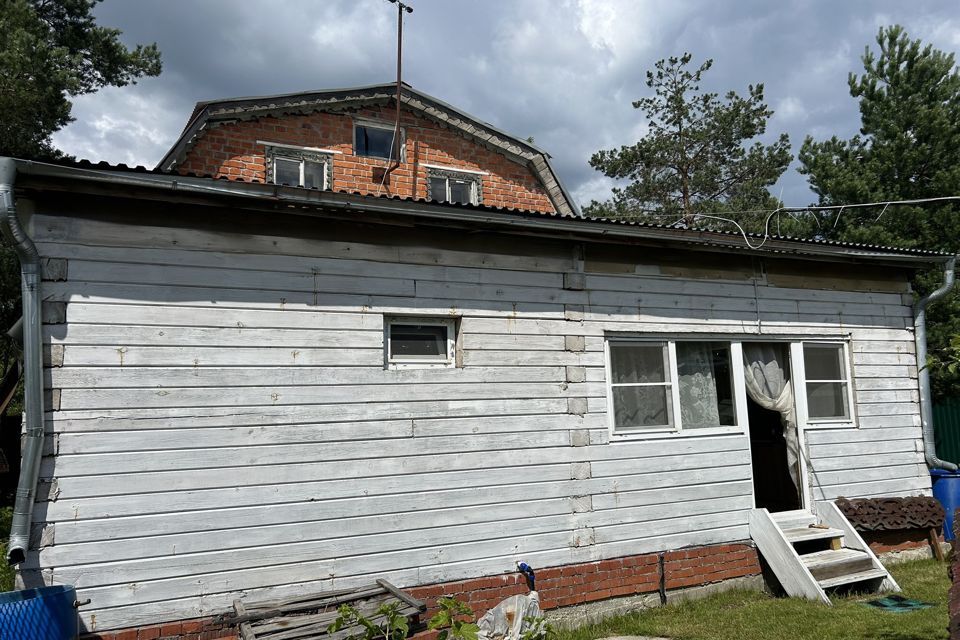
(283, 145)
(476, 196)
(378, 124)
(800, 387)
(272, 153)
(443, 167)
(409, 363)
(677, 431)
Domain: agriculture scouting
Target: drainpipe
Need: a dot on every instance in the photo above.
(32, 363)
(926, 398)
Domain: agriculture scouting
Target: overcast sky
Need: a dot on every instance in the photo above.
(562, 71)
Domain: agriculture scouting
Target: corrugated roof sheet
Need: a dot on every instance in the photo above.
(105, 166)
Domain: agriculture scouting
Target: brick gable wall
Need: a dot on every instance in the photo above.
(231, 150)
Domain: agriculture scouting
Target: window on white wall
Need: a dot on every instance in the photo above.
(671, 385)
(414, 341)
(827, 375)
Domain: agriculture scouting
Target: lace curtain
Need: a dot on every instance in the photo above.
(699, 402)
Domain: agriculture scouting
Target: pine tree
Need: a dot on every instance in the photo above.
(697, 157)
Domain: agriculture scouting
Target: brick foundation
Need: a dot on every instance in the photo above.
(196, 629)
(895, 541)
(582, 583)
(558, 586)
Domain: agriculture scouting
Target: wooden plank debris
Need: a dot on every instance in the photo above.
(305, 617)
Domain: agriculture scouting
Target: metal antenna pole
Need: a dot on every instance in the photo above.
(395, 151)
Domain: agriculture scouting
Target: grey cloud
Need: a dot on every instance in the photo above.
(562, 71)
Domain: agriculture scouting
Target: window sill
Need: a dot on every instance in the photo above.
(672, 434)
(831, 424)
(421, 365)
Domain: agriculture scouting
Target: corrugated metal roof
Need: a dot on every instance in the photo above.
(704, 236)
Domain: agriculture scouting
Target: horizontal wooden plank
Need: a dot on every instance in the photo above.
(125, 336)
(282, 454)
(837, 436)
(253, 436)
(302, 396)
(65, 237)
(86, 552)
(339, 265)
(139, 418)
(287, 376)
(112, 293)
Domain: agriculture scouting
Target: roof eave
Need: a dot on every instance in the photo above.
(307, 201)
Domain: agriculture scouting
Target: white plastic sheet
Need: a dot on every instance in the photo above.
(513, 617)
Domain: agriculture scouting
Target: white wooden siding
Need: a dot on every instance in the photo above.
(225, 423)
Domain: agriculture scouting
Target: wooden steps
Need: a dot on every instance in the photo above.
(813, 552)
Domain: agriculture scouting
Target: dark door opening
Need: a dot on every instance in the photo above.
(773, 483)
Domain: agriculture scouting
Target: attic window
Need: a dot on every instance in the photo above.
(453, 186)
(299, 167)
(375, 140)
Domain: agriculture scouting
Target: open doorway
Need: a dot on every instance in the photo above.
(774, 484)
(772, 420)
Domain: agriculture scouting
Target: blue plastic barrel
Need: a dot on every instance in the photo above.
(47, 613)
(946, 489)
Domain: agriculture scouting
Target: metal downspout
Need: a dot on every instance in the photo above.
(32, 363)
(926, 398)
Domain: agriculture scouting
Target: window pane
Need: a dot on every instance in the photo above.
(638, 362)
(460, 191)
(640, 407)
(286, 171)
(313, 174)
(705, 384)
(422, 342)
(824, 362)
(438, 189)
(373, 141)
(827, 400)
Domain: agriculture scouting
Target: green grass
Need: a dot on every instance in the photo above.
(748, 615)
(6, 571)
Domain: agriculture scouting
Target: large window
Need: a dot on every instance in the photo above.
(827, 381)
(671, 385)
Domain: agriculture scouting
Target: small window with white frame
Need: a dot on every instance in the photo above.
(827, 378)
(452, 186)
(295, 167)
(420, 342)
(671, 385)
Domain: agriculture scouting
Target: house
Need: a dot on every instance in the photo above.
(252, 388)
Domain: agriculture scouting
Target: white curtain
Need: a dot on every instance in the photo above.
(699, 402)
(768, 384)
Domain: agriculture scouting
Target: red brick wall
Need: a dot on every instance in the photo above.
(231, 150)
(558, 586)
(199, 629)
(592, 581)
(900, 540)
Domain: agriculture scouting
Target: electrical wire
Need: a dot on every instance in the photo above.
(812, 208)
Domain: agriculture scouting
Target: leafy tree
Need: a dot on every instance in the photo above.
(696, 157)
(908, 148)
(53, 50)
